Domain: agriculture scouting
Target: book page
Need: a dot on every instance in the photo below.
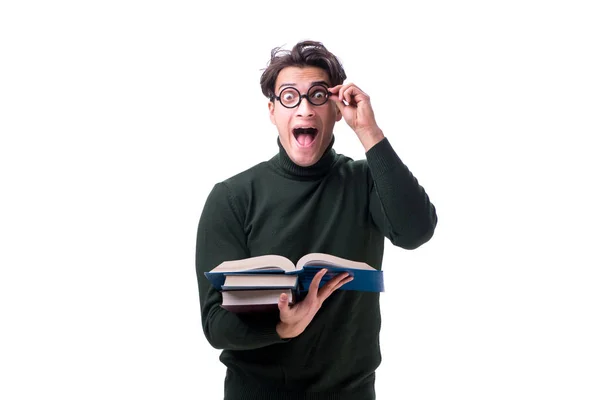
(268, 296)
(333, 261)
(260, 263)
(260, 280)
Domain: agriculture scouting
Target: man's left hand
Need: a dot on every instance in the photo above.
(355, 106)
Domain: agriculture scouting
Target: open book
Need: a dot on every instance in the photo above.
(278, 272)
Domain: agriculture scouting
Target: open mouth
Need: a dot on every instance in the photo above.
(305, 136)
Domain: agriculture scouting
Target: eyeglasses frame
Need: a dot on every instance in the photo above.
(303, 96)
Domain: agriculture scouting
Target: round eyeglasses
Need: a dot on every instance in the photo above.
(290, 97)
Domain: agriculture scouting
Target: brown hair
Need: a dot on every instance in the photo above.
(306, 53)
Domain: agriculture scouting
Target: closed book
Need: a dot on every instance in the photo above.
(259, 281)
(244, 301)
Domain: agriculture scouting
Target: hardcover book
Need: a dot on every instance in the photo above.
(246, 301)
(274, 271)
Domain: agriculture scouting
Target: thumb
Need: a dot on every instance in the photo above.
(283, 303)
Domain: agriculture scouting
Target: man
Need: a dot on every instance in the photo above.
(308, 198)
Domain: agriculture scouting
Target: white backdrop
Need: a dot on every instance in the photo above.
(117, 117)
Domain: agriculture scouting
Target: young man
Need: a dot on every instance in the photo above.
(308, 198)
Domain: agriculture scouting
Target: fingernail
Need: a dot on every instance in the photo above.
(283, 297)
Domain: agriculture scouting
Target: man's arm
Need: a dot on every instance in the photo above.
(399, 206)
(220, 238)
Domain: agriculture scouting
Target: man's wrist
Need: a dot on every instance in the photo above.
(371, 137)
(285, 331)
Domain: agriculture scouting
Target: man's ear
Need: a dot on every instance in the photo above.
(272, 111)
(338, 114)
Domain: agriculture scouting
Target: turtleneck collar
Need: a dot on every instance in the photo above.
(283, 163)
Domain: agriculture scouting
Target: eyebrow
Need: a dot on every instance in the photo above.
(311, 84)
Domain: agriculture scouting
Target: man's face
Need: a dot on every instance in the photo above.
(305, 131)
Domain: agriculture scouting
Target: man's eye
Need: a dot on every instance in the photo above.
(288, 96)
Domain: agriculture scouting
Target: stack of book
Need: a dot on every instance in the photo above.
(255, 284)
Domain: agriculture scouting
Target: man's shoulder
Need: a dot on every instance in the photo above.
(246, 177)
(237, 188)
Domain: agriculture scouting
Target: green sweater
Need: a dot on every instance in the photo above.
(337, 206)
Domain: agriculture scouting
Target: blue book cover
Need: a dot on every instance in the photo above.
(364, 280)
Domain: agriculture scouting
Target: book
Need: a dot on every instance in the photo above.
(259, 281)
(244, 301)
(250, 272)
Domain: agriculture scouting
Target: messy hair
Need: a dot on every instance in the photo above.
(303, 54)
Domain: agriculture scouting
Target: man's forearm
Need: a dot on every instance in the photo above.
(221, 238)
(408, 217)
(230, 331)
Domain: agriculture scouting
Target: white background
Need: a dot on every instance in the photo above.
(117, 117)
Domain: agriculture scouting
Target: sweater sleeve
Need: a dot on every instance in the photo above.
(399, 206)
(221, 237)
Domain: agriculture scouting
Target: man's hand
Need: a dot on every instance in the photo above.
(355, 106)
(295, 319)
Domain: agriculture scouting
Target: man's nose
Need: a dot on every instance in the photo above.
(305, 109)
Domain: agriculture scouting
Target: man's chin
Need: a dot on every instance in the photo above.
(304, 156)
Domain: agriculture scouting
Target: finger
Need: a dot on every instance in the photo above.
(335, 89)
(344, 88)
(345, 94)
(354, 95)
(340, 105)
(342, 283)
(342, 94)
(348, 95)
(283, 303)
(313, 289)
(329, 287)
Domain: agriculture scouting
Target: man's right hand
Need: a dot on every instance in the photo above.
(294, 319)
